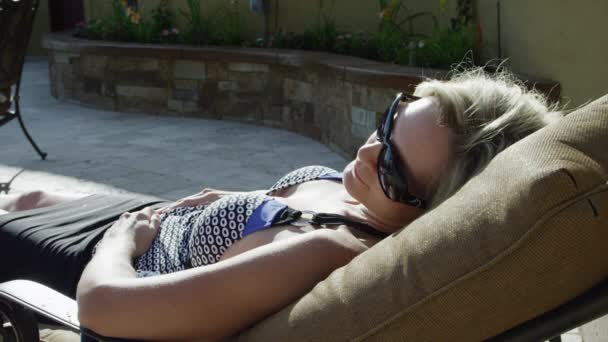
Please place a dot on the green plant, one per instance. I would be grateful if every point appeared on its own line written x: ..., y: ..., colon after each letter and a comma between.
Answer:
x: 396, y: 31
x: 447, y: 47
x: 396, y: 40
x: 453, y: 44
x: 464, y: 15
x: 198, y: 30
x: 124, y: 23
x: 358, y: 44
x: 323, y: 35
x: 228, y: 26
x: 163, y: 20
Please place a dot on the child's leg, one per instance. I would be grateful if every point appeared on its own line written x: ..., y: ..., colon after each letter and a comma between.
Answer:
x: 34, y: 199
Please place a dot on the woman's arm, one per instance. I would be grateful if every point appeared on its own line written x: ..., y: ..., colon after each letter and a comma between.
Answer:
x: 214, y: 301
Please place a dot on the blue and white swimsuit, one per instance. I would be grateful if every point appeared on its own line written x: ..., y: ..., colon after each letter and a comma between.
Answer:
x: 196, y: 236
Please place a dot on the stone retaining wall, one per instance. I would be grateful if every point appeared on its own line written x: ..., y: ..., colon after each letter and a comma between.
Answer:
x: 337, y: 100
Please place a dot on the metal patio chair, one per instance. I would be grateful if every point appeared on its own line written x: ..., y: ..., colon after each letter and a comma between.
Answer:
x: 16, y: 22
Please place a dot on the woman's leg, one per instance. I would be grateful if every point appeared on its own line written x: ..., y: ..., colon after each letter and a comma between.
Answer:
x: 34, y: 200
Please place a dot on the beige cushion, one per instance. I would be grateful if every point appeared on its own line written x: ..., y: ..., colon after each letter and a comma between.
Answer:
x: 526, y: 235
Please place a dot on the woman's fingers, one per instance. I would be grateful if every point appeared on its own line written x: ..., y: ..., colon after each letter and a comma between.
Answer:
x: 155, y: 221
x: 206, y: 190
x: 206, y: 196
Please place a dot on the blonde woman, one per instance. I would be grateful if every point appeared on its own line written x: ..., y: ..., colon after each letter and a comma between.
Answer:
x: 216, y: 262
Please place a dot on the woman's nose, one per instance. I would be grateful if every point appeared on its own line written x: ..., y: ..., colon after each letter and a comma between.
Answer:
x: 369, y: 151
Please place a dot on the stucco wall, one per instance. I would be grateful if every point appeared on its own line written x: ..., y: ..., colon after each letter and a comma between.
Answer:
x: 565, y: 40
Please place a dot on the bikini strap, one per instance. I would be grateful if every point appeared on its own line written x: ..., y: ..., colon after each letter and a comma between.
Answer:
x: 325, y: 218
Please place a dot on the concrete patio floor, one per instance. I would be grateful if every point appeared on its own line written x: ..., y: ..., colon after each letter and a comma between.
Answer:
x: 94, y: 151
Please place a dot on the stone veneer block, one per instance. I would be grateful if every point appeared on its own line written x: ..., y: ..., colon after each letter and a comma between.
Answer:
x: 185, y: 94
x: 297, y: 90
x: 359, y: 95
x: 302, y: 112
x: 216, y: 71
x: 363, y: 122
x: 185, y: 84
x: 137, y: 91
x: 248, y: 67
x: 379, y: 99
x: 228, y: 86
x: 363, y: 117
x: 359, y: 131
x: 94, y: 66
x: 208, y: 94
x: 175, y: 105
x: 190, y: 106
x: 93, y: 85
x: 132, y: 64
x: 257, y: 85
x: 64, y: 57
x: 191, y: 70
x: 103, y: 102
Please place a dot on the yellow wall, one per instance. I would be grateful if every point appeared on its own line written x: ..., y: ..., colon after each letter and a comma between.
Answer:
x: 564, y: 40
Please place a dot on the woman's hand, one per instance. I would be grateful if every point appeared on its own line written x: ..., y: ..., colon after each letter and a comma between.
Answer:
x: 138, y: 229
x: 206, y: 196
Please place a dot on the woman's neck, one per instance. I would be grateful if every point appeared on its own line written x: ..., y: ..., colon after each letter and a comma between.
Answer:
x: 361, y: 213
x: 386, y: 223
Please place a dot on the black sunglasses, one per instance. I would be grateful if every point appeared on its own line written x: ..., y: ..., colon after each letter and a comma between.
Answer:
x: 390, y: 173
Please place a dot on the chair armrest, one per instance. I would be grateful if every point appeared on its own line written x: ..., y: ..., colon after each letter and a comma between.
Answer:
x: 43, y: 301
x: 49, y: 303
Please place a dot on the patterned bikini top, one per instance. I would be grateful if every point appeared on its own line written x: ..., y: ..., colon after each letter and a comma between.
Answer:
x: 197, y: 236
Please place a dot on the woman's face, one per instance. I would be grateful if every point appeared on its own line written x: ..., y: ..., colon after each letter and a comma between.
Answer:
x: 424, y: 148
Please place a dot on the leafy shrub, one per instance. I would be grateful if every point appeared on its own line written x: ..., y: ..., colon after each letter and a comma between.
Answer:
x: 228, y: 26
x: 124, y: 24
x: 396, y: 40
x: 197, y: 31
x: 447, y: 47
x: 163, y: 23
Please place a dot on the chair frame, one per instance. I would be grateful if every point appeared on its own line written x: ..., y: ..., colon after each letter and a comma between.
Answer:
x: 549, y: 326
x: 15, y: 81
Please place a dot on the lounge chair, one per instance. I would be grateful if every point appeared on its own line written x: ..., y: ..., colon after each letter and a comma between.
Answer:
x: 515, y: 247
x: 16, y: 22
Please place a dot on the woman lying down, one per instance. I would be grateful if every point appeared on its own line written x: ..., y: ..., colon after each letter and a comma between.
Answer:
x: 214, y: 263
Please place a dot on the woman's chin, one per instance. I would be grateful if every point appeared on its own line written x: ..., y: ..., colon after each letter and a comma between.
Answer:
x: 353, y: 184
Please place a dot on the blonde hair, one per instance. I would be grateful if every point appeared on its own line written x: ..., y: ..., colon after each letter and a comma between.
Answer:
x: 488, y: 113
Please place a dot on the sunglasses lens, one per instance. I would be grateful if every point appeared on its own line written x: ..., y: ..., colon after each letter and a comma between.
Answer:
x: 390, y: 178
x: 380, y: 131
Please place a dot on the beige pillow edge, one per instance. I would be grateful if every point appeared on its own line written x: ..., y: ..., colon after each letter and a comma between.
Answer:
x: 509, y: 251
